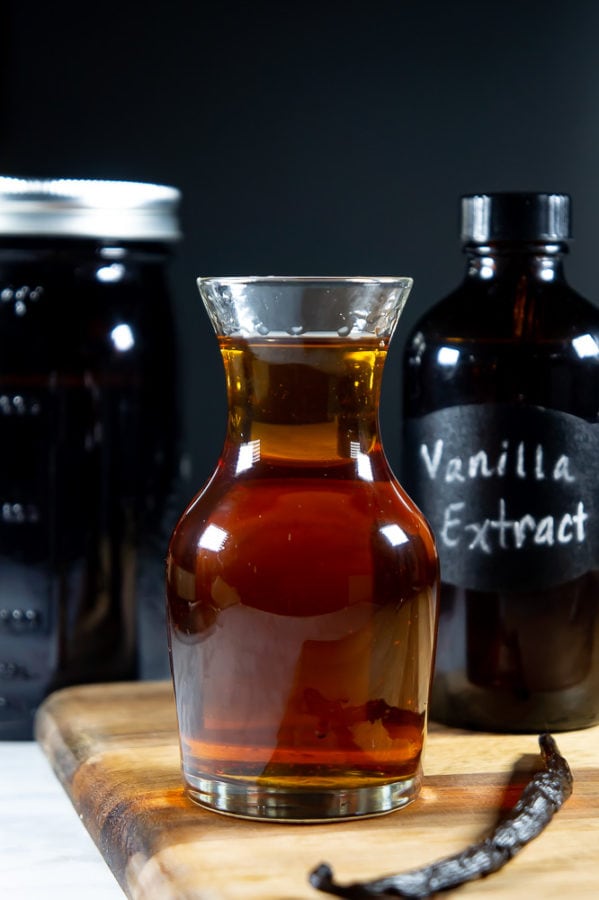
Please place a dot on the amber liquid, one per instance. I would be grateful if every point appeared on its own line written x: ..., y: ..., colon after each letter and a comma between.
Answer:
x: 301, y: 582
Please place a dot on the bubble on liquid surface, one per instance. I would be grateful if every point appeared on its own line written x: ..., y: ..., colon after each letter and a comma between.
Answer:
x: 344, y: 330
x: 261, y: 328
x: 296, y: 329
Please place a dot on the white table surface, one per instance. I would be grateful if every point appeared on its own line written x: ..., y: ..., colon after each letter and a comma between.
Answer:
x: 45, y: 851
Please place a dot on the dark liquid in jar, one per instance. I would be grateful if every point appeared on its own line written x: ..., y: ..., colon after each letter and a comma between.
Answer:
x: 301, y: 598
x: 87, y: 432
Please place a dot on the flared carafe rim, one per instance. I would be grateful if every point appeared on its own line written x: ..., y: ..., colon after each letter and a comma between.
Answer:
x: 259, y: 306
x: 383, y: 280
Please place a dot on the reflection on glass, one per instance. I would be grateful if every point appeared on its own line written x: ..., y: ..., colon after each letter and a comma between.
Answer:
x: 249, y: 455
x: 110, y: 274
x: 547, y: 272
x: 585, y: 345
x: 364, y: 464
x: 448, y: 356
x: 213, y: 538
x: 394, y: 534
x: 122, y: 337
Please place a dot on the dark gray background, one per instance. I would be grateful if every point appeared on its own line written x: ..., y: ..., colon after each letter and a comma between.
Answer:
x: 309, y: 138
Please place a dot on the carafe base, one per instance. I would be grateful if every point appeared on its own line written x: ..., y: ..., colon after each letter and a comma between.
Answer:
x: 293, y: 804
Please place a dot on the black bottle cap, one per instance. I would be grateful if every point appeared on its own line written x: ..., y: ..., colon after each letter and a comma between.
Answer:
x: 515, y: 217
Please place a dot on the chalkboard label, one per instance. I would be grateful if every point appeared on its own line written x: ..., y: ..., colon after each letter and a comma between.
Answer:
x: 512, y: 494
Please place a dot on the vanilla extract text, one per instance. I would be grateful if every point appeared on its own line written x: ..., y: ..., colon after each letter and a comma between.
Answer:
x: 509, y: 461
x: 511, y: 533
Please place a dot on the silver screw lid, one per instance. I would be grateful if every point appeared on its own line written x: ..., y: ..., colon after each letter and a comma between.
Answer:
x: 86, y: 208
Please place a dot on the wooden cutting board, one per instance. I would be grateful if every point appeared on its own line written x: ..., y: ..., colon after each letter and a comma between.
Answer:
x: 114, y: 748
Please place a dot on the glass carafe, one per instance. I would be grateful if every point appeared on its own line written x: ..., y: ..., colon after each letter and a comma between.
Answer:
x: 302, y: 581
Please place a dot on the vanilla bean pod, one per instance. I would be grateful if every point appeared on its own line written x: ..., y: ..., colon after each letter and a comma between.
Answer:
x: 540, y: 799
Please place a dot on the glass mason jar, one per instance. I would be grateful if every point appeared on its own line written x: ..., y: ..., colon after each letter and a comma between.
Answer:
x: 302, y: 581
x: 87, y: 427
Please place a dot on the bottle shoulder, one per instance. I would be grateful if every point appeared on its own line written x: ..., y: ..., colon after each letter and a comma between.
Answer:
x: 496, y: 311
x: 543, y: 352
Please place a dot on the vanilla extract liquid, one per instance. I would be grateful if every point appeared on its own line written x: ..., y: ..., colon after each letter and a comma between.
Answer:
x: 301, y: 583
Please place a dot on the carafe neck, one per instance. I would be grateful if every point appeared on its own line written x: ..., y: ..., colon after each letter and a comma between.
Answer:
x: 299, y: 402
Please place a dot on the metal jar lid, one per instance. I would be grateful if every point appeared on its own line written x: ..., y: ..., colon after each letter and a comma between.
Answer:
x: 84, y: 208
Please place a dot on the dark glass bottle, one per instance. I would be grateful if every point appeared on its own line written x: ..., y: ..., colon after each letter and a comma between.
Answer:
x: 501, y: 447
x: 87, y: 428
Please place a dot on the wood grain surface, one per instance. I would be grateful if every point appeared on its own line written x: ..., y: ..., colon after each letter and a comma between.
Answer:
x: 115, y: 750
